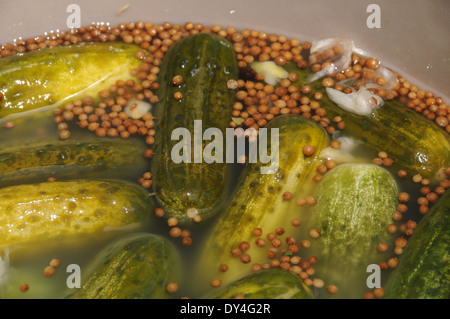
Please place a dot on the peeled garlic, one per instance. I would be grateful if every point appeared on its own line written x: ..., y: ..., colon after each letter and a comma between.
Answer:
x: 337, y: 51
x: 273, y: 73
x: 362, y: 102
x: 137, y: 108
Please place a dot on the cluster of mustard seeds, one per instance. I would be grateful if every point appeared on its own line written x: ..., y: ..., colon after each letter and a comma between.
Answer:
x: 282, y: 252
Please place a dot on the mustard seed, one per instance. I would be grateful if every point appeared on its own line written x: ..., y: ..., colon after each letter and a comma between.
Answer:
x: 332, y: 289
x: 295, y: 222
x: 287, y: 196
x: 49, y: 271
x: 55, y: 263
x: 403, y: 197
x: 382, y: 247
x: 175, y: 232
x: 172, y: 287
x: 24, y: 287
x: 308, y: 150
x: 245, y: 258
x: 314, y: 233
x: 172, y: 222
x: 159, y: 212
x: 186, y: 241
x: 257, y: 232
x: 223, y: 267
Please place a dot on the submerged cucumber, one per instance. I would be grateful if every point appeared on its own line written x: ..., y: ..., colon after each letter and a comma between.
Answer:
x: 423, y: 271
x: 206, y: 62
x: 415, y: 143
x: 258, y: 199
x: 58, y: 210
x: 266, y: 284
x: 137, y: 266
x: 355, y: 203
x: 67, y: 159
x: 47, y: 76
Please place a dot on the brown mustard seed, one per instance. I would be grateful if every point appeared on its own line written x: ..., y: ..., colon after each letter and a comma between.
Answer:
x: 244, y: 246
x: 287, y: 196
x: 216, y: 283
x: 175, y: 232
x: 49, y: 271
x: 295, y: 222
x: 172, y: 287
x: 382, y: 247
x: 177, y: 80
x: 24, y: 287
x: 332, y: 289
x: 310, y: 200
x: 8, y: 125
x: 393, y: 262
x: 314, y: 233
x: 186, y: 241
x: 403, y: 197
x: 308, y: 150
x: 172, y: 222
x: 55, y: 263
x: 178, y: 96
x: 159, y: 212
x: 402, y: 173
x: 245, y: 258
x: 378, y: 292
x: 223, y: 267
x: 257, y: 232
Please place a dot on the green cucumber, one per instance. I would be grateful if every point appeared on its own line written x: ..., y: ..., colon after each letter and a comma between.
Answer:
x: 44, y: 77
x: 355, y: 203
x: 266, y: 284
x: 423, y: 271
x: 52, y: 211
x: 415, y: 143
x: 39, y: 161
x: 137, y: 266
x: 206, y: 62
x: 258, y: 198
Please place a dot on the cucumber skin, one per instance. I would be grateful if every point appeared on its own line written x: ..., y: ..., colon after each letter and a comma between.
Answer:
x: 355, y: 203
x: 266, y: 284
x: 44, y: 77
x: 35, y: 162
x: 423, y: 271
x: 137, y: 266
x: 206, y: 62
x: 53, y: 211
x: 258, y: 201
x: 415, y: 143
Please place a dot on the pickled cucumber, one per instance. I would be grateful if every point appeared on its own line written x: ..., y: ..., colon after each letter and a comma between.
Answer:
x: 266, y: 284
x: 44, y: 77
x: 355, y: 203
x: 68, y: 159
x: 258, y: 198
x: 136, y: 266
x: 52, y: 211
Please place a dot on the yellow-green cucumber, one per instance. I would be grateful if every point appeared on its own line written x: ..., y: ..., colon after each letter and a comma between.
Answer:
x: 47, y: 76
x: 136, y: 266
x: 415, y: 143
x: 265, y: 284
x: 68, y: 159
x: 355, y: 203
x: 423, y: 271
x: 258, y: 198
x: 53, y: 211
x: 205, y: 63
